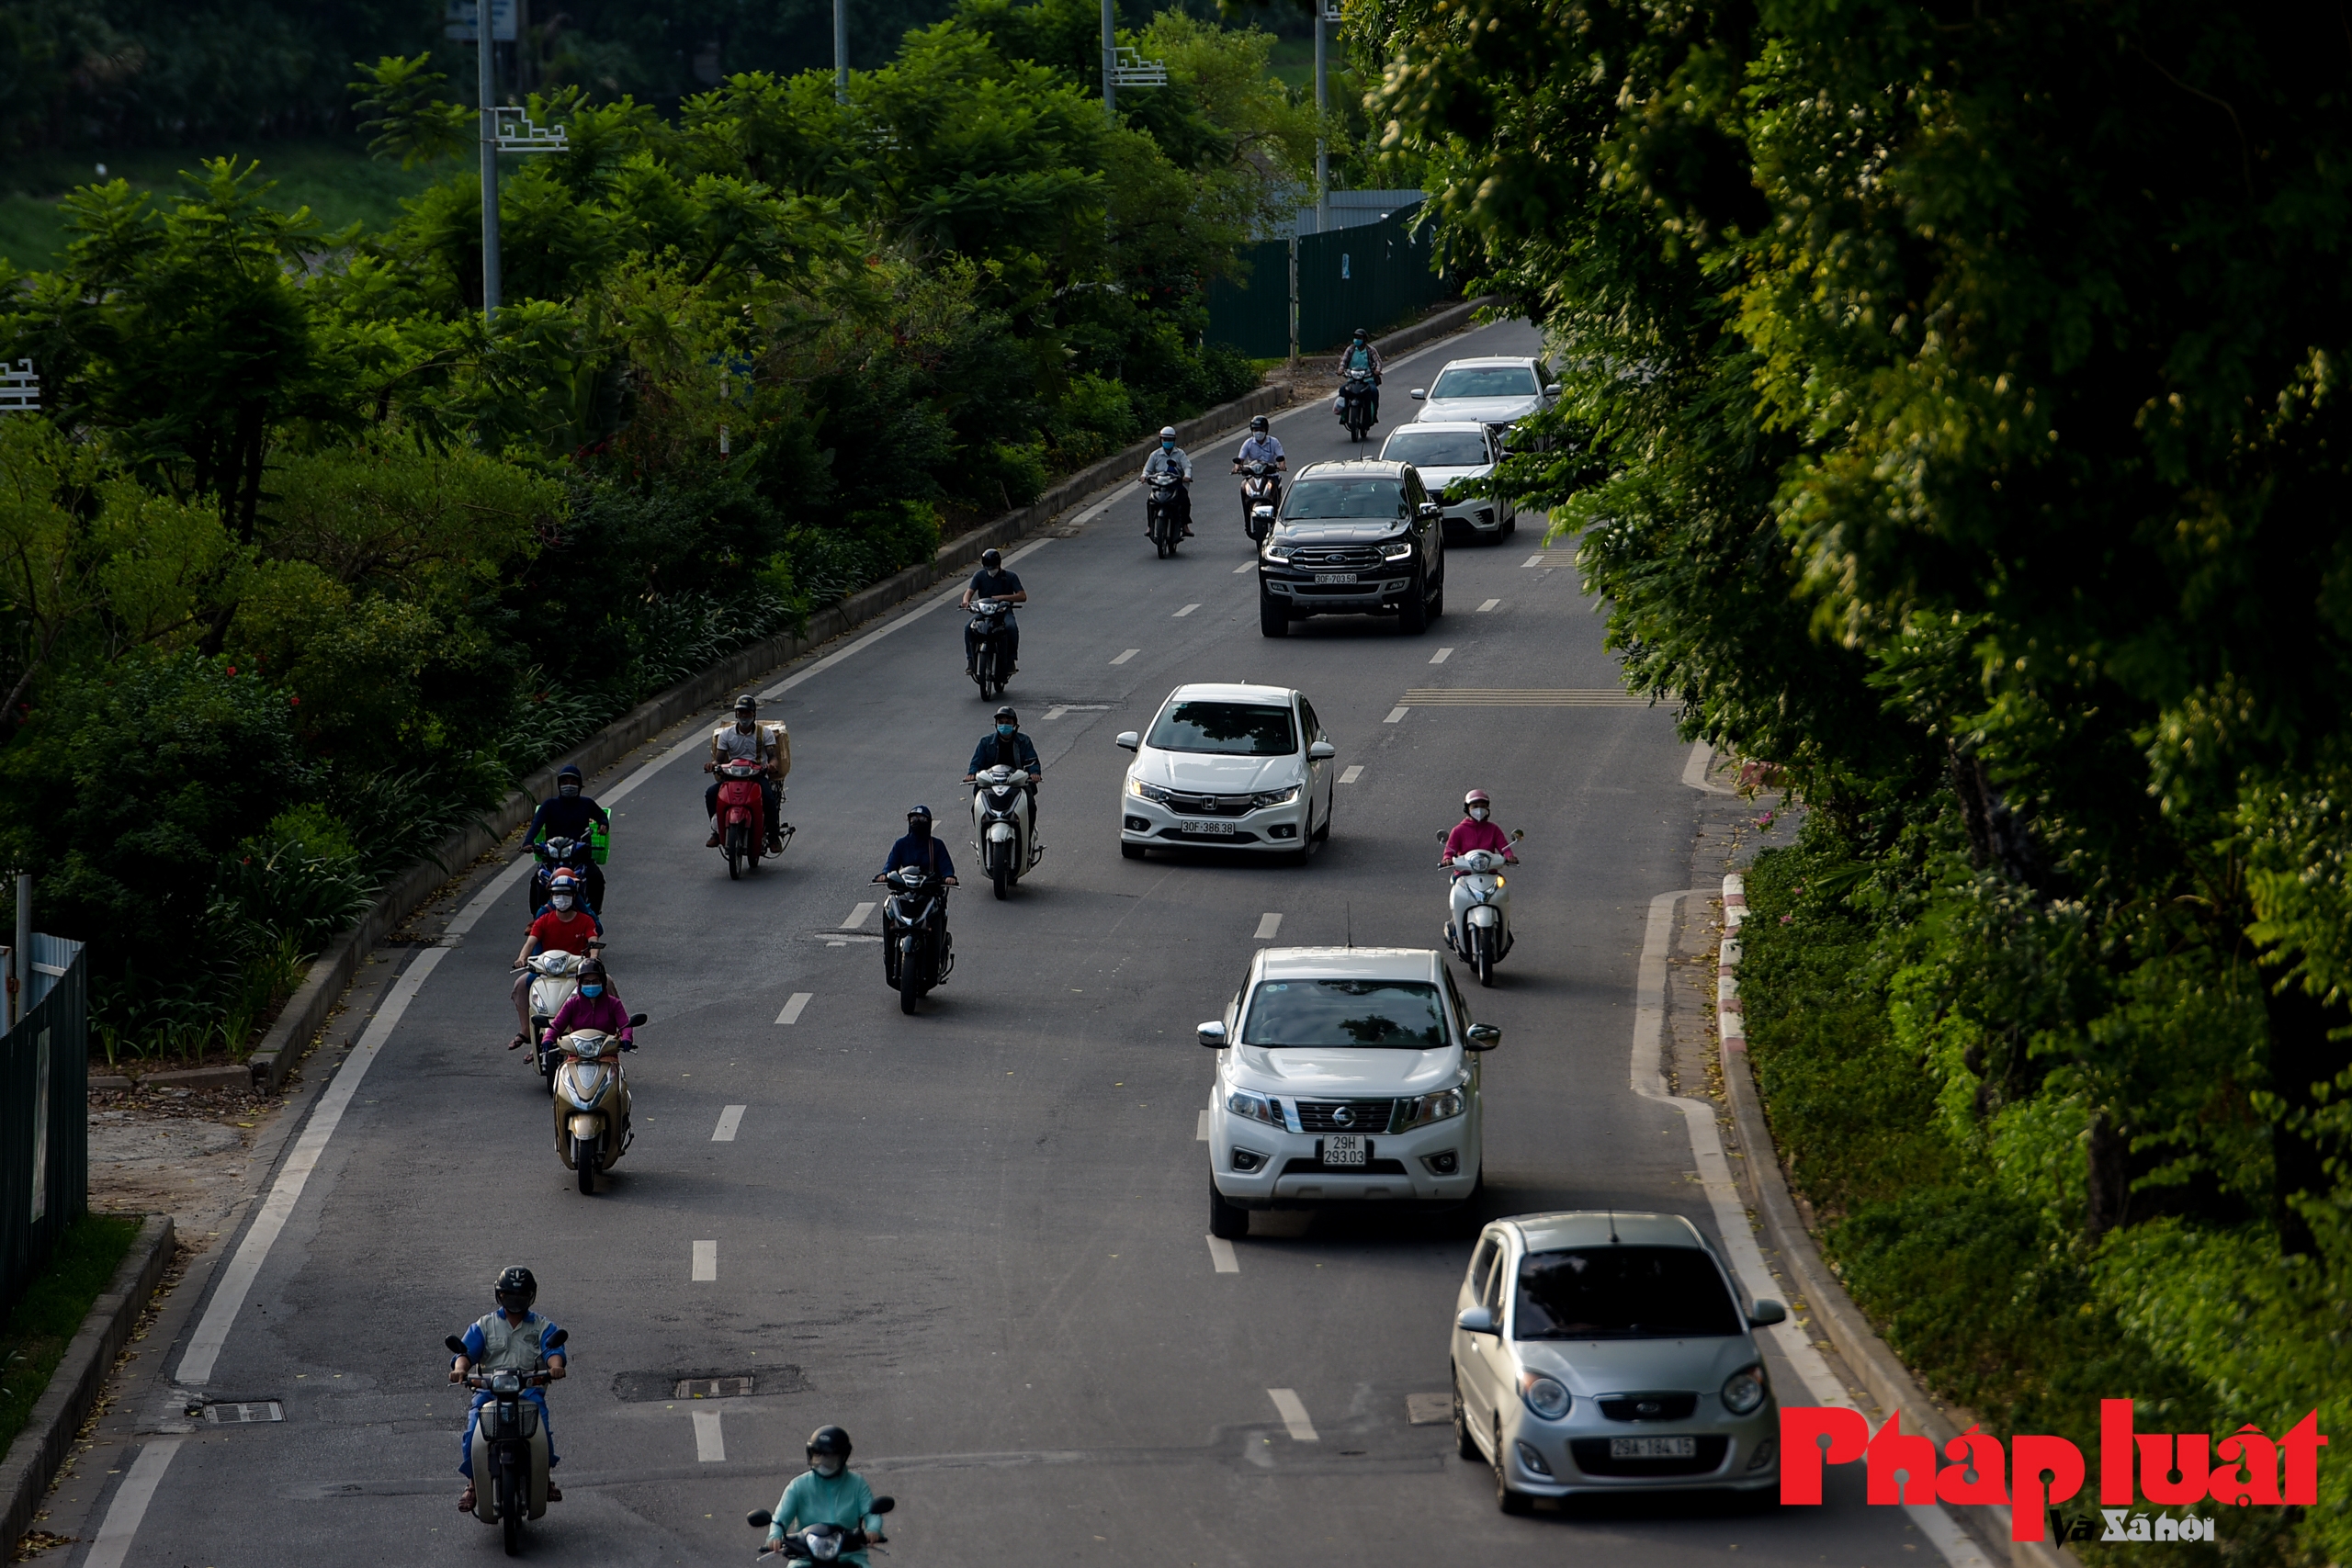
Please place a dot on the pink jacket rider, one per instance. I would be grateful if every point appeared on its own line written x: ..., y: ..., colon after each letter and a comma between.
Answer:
x: 1470, y: 835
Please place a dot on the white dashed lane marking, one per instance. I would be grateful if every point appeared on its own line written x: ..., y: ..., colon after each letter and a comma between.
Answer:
x: 857, y: 917
x: 1535, y: 559
x: 1221, y: 1256
x: 1395, y: 715
x: 1441, y: 656
x: 1488, y: 605
x: 791, y: 1013
x: 1245, y: 566
x: 710, y: 1441
x: 729, y: 1119
x: 1184, y: 611
x: 1130, y: 653
x: 1268, y: 925
x: 1200, y: 1127
x: 1294, y: 1414
x: 1354, y: 772
x: 705, y: 1260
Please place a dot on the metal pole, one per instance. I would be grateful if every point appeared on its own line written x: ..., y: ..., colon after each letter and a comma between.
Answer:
x: 1322, y: 154
x: 1293, y: 304
x: 24, y: 997
x: 1110, y: 64
x: 841, y: 51
x: 490, y: 299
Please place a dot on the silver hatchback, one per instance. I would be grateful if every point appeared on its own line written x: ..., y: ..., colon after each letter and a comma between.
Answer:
x: 1608, y: 1352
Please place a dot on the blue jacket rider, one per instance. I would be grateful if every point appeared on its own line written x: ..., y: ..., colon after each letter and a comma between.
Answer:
x: 1006, y: 747
x: 513, y: 1339
x: 566, y: 815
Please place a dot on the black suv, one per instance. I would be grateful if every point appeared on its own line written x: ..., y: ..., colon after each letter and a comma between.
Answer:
x: 1361, y: 538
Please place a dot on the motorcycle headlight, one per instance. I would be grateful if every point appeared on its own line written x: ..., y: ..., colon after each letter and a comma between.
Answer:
x: 1745, y: 1390
x: 505, y: 1383
x: 1400, y: 549
x: 1256, y: 1107
x: 1136, y: 786
x: 1547, y: 1396
x: 1275, y: 796
x: 1428, y: 1108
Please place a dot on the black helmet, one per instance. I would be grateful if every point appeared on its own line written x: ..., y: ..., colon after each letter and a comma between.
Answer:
x: 919, y: 813
x: 515, y: 1290
x: 745, y: 703
x: 1360, y: 333
x: 990, y: 558
x: 1006, y: 716
x: 1258, y: 424
x: 593, y: 967
x: 828, y: 1442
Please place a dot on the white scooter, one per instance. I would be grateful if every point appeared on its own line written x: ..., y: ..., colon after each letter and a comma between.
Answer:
x: 1001, y: 829
x: 1477, y: 926
x: 555, y: 980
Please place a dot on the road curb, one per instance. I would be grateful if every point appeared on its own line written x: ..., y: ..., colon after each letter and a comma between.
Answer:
x: 330, y: 974
x: 1883, y: 1374
x: 73, y: 1392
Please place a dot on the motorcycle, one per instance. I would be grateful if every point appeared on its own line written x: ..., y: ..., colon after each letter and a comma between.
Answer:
x: 1261, y: 495
x: 1355, y: 403
x: 816, y: 1543
x: 1163, y: 517
x: 591, y: 1104
x: 575, y: 855
x: 555, y: 979
x: 991, y: 667
x: 1001, y: 826
x: 510, y: 1445
x: 743, y: 827
x: 1477, y: 925
x: 917, y: 952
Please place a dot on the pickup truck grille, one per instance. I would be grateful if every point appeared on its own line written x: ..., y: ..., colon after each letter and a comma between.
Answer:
x: 1327, y: 558
x: 1363, y: 1115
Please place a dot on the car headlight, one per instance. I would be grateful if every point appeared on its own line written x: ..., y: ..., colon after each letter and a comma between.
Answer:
x: 1275, y: 796
x: 1256, y: 1107
x: 1276, y: 552
x: 1136, y: 786
x: 1547, y: 1396
x: 1745, y: 1390
x: 1428, y: 1108
x: 1402, y: 549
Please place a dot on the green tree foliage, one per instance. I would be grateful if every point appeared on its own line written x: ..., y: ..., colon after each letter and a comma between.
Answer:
x: 1954, y: 417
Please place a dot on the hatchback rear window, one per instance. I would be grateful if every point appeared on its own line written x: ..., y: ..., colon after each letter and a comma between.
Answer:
x: 1344, y: 497
x: 1404, y: 1014
x: 1624, y: 1292
x: 1229, y: 730
x: 1486, y: 381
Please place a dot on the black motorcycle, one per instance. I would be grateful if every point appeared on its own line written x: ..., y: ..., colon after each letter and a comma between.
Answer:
x: 991, y: 658
x: 917, y: 952
x: 1355, y: 403
x: 816, y: 1543
x: 575, y: 855
x: 510, y: 1441
x: 1261, y: 498
x: 1163, y: 512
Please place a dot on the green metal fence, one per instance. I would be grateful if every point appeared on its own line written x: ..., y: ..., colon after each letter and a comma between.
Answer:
x: 44, y: 1115
x: 1254, y: 314
x: 1374, y: 276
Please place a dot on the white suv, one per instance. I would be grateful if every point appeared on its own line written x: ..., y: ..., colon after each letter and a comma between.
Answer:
x: 1343, y: 1075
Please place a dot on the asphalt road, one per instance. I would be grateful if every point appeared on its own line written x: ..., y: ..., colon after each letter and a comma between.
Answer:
x: 975, y: 1236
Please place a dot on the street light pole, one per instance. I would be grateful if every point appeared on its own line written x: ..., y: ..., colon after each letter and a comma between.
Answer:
x: 1110, y: 64
x: 489, y: 160
x: 1322, y: 155
x: 841, y: 51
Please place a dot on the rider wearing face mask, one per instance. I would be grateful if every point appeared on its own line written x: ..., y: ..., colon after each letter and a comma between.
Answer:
x: 1006, y: 747
x: 1171, y: 459
x: 1359, y: 355
x: 1476, y: 830
x: 829, y: 1492
x: 992, y: 581
x: 748, y: 738
x: 568, y: 814
x: 595, y: 1005
x: 564, y: 925
x: 920, y: 848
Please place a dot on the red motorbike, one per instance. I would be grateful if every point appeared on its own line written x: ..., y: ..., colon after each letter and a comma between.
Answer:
x: 742, y: 814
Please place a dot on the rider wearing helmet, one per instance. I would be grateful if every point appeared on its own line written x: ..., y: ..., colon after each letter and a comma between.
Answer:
x: 748, y: 738
x: 829, y: 1492
x: 992, y: 581
x: 566, y: 814
x: 1262, y: 447
x: 595, y: 1005
x: 1006, y: 747
x: 1359, y: 355
x: 920, y: 848
x: 1476, y: 830
x: 564, y: 924
x: 1169, y: 458
x: 513, y: 1339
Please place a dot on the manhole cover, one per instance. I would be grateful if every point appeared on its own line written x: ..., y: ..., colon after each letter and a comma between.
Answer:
x: 643, y: 1387
x: 239, y: 1414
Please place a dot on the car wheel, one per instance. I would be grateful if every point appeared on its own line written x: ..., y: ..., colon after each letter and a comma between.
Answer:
x: 1463, y: 1443
x: 1130, y: 852
x: 1227, y: 1222
x: 1323, y: 834
x: 1508, y: 1501
x: 1437, y: 601
x: 1273, y: 616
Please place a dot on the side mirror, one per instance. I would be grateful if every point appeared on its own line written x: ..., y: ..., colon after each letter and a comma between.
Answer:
x: 457, y: 1346
x: 1517, y: 834
x: 1427, y: 510
x: 759, y: 1518
x: 1127, y: 740
x: 1212, y: 1035
x: 1553, y: 391
x: 1420, y: 394
x: 555, y: 1340
x: 1442, y: 837
x: 1475, y: 1320
x: 637, y: 1021
x: 1766, y: 1313
x: 1322, y: 751
x: 881, y: 1504
x: 1483, y: 1036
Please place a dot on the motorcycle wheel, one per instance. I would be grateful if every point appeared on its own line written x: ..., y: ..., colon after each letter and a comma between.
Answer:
x: 997, y: 874
x: 584, y: 1164
x: 734, y: 847
x: 909, y: 992
x: 1486, y: 959
x: 987, y: 669
x: 509, y: 1514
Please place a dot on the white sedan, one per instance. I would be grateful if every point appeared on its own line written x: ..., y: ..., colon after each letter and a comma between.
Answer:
x: 1230, y: 768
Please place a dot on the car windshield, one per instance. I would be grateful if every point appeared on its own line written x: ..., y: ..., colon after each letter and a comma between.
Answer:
x: 1378, y: 498
x: 1437, y: 449
x: 1228, y: 729
x: 1486, y: 381
x: 1623, y: 1292
x: 1404, y: 1014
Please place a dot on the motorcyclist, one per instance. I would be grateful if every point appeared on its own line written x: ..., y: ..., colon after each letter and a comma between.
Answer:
x: 829, y: 1492
x: 1006, y: 746
x: 1172, y: 458
x: 595, y: 1005
x: 566, y: 814
x: 1359, y: 355
x: 513, y: 1338
x: 992, y: 581
x: 1476, y: 830
x: 565, y: 925
x: 920, y: 848
x: 748, y: 738
x: 1262, y: 447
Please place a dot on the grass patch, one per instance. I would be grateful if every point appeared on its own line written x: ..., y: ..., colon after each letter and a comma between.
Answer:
x: 335, y: 178
x: 34, y: 1338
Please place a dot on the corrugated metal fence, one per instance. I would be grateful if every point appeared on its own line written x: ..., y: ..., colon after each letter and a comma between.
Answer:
x: 44, y: 1115
x: 1373, y: 276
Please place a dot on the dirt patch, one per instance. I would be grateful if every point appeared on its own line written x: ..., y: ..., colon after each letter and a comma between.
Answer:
x: 174, y: 1151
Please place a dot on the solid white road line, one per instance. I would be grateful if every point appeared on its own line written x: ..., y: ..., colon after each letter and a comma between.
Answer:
x: 1200, y: 1127
x: 1694, y: 768
x: 710, y: 1440
x: 1730, y: 1208
x: 791, y: 1013
x: 1441, y: 656
x: 1535, y: 559
x: 1268, y: 925
x: 857, y: 915
x: 1394, y: 715
x: 952, y: 592
x: 1127, y: 655
x: 112, y: 1546
x: 1292, y: 1413
x: 1245, y: 566
x: 1221, y: 1256
x: 705, y: 1260
x: 1488, y: 605
x: 1356, y: 772
x: 1184, y: 611
x: 729, y: 1119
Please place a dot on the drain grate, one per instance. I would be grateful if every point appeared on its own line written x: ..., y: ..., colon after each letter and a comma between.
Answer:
x: 242, y: 1413
x: 642, y: 1387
